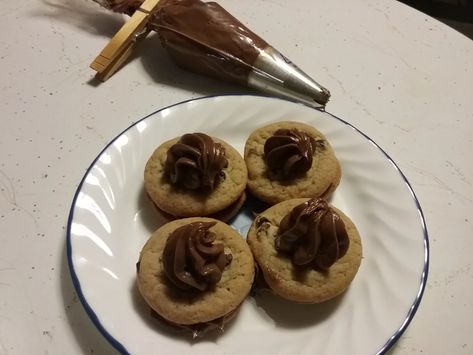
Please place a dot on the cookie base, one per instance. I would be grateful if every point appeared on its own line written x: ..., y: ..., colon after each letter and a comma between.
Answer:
x: 224, y: 215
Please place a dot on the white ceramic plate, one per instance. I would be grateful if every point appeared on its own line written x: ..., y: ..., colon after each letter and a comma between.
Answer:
x: 111, y: 218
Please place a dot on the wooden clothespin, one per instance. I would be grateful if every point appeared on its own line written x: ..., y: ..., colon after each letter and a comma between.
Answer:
x: 120, y: 47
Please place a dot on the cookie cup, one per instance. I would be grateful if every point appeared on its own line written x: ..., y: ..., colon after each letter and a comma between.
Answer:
x: 180, y: 202
x: 302, y: 285
x: 321, y: 180
x: 189, y: 308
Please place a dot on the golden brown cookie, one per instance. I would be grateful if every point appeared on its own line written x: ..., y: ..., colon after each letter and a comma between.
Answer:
x: 317, y: 172
x: 180, y: 201
x: 171, y: 288
x: 311, y: 282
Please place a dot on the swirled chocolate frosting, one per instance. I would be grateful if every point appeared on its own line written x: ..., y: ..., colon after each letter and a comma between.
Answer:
x: 196, y: 162
x: 192, y: 259
x: 313, y: 235
x: 289, y: 152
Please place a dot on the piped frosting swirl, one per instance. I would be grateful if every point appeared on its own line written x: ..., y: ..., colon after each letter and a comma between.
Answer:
x: 192, y: 259
x: 288, y: 153
x: 196, y: 162
x: 313, y: 235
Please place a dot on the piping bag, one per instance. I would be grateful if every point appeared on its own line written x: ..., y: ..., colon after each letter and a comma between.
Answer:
x: 204, y: 38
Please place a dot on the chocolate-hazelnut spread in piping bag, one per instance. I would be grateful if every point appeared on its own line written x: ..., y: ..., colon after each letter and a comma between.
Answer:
x: 203, y: 37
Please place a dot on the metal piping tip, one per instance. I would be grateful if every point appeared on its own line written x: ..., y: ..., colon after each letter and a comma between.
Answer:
x: 275, y: 74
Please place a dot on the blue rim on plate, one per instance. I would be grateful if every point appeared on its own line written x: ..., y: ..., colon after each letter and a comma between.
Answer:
x: 121, y: 348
